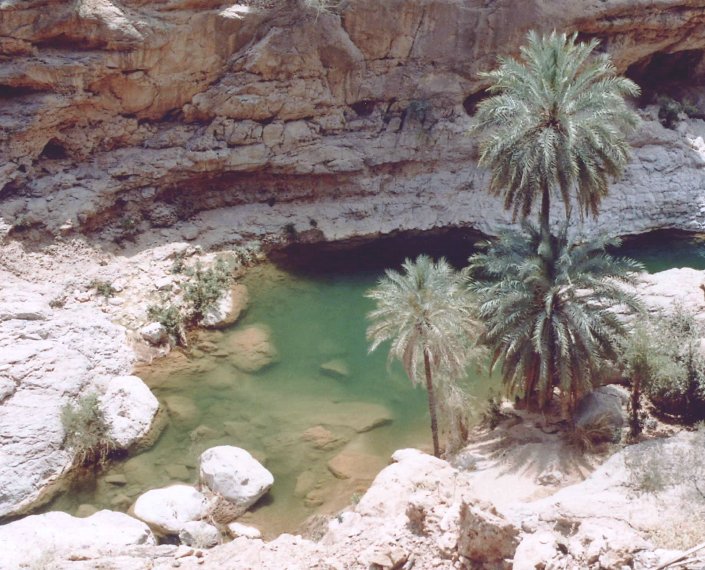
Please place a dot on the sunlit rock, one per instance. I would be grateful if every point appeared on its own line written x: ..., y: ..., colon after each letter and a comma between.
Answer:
x: 130, y: 409
x: 33, y: 541
x: 199, y: 534
x: 228, y: 308
x: 166, y: 510
x: 235, y: 475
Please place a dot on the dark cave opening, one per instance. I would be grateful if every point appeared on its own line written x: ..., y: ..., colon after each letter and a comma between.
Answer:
x: 471, y: 102
x: 679, y: 75
x: 54, y: 150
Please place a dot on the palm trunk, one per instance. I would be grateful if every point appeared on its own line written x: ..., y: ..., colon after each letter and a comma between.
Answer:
x: 545, y: 224
x: 431, y: 403
x: 634, y: 424
x: 546, y: 254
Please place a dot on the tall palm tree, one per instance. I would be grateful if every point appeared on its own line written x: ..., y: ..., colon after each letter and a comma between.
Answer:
x: 426, y: 312
x: 551, y: 325
x: 556, y: 123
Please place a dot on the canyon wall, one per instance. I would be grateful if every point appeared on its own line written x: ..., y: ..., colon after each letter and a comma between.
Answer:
x: 221, y: 122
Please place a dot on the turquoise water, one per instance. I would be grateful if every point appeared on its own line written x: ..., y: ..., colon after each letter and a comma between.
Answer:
x: 313, y: 318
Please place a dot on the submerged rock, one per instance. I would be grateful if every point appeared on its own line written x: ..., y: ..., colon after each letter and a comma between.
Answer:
x: 33, y: 541
x: 360, y: 416
x: 235, y: 475
x: 252, y: 348
x: 323, y: 438
x: 167, y: 510
x: 352, y: 464
x: 182, y: 409
x: 336, y: 368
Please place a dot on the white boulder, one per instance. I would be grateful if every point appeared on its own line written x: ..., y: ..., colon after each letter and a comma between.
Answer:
x: 130, y: 408
x: 28, y: 542
x: 228, y: 308
x: 154, y: 333
x: 167, y: 510
x: 237, y: 530
x: 235, y: 475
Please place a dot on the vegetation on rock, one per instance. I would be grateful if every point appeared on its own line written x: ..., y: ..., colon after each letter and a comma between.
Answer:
x: 664, y: 359
x: 204, y: 287
x: 87, y: 433
x: 202, y: 290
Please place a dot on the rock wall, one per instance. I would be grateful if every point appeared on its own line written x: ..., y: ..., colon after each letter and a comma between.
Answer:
x: 201, y: 119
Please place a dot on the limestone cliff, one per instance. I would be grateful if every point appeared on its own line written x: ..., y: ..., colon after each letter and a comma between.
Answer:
x: 223, y: 122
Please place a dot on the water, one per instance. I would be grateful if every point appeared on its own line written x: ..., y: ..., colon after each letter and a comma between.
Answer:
x: 314, y: 317
x: 315, y: 311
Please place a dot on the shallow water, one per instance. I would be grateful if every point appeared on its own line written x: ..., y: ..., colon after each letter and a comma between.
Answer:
x: 313, y: 320
x: 314, y: 317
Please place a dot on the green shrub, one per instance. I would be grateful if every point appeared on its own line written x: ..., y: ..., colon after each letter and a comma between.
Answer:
x: 103, y: 288
x: 87, y: 433
x: 170, y: 317
x: 204, y: 287
x: 681, y: 391
x: 670, y: 109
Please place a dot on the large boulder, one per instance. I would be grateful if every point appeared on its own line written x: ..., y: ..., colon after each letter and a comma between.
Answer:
x: 485, y: 535
x: 235, y: 475
x: 600, y: 414
x: 130, y: 408
x: 252, y: 348
x: 30, y: 542
x: 167, y: 510
x: 48, y: 358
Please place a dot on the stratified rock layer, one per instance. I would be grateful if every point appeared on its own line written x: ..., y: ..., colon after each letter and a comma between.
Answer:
x: 222, y: 123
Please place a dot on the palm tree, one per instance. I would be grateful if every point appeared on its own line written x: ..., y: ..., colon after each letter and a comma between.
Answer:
x: 556, y: 122
x: 426, y: 312
x: 551, y: 325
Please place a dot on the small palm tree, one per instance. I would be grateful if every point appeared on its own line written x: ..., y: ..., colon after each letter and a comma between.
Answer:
x: 551, y: 325
x: 556, y: 122
x: 426, y: 312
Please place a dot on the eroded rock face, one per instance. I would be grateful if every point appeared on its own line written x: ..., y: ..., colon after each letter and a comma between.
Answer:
x: 48, y: 358
x: 271, y: 120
